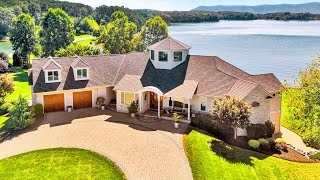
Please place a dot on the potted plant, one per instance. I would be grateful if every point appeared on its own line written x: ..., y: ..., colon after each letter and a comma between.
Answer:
x: 132, y: 109
x: 176, y: 118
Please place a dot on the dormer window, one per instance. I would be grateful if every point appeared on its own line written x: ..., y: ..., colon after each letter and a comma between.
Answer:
x: 82, y: 74
x: 53, y: 76
x: 163, y: 56
x: 177, y: 56
x: 152, y: 54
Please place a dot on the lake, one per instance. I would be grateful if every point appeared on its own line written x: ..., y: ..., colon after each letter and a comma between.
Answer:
x: 279, y: 47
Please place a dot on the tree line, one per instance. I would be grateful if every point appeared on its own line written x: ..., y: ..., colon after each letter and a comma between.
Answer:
x: 55, y: 34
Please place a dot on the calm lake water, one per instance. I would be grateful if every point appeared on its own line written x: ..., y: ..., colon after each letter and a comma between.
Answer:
x: 282, y: 48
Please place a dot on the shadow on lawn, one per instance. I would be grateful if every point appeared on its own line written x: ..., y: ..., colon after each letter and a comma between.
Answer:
x: 234, y: 154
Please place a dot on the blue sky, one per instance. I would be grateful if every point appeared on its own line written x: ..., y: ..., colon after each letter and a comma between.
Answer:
x: 182, y: 4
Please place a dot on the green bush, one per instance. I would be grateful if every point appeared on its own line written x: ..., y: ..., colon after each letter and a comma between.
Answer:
x: 271, y: 141
x: 257, y: 131
x: 263, y: 141
x: 37, y: 110
x: 280, y: 140
x: 312, y: 138
x: 264, y: 144
x: 206, y: 122
x: 254, y: 144
x: 315, y: 156
x: 5, y: 108
x: 19, y: 115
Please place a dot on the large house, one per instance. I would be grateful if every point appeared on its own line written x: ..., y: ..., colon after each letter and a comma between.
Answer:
x: 163, y: 80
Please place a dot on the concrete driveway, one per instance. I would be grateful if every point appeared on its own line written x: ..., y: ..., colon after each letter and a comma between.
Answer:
x: 135, y: 146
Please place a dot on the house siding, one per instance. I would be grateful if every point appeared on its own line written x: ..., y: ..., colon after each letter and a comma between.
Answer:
x: 37, y: 98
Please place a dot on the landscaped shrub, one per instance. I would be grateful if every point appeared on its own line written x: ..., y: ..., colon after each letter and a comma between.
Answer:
x: 4, y: 108
x: 37, y: 110
x: 271, y: 142
x: 257, y: 131
x: 205, y: 122
x: 19, y: 115
x: 264, y: 144
x: 270, y: 128
x: 280, y: 140
x: 312, y: 138
x: 281, y: 147
x: 254, y: 144
x: 315, y: 156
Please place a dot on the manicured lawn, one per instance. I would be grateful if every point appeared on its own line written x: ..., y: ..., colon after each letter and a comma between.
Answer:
x: 225, y: 162
x: 60, y: 163
x: 21, y: 85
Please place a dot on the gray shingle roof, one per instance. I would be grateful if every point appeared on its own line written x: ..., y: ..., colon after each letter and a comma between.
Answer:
x: 204, y: 75
x: 169, y: 44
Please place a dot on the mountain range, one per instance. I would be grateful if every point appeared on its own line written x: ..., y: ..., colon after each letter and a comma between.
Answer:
x: 313, y: 8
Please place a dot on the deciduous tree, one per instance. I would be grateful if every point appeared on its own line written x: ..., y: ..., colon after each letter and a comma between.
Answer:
x: 57, y: 31
x: 153, y: 31
x: 6, y: 87
x: 77, y: 49
x: 87, y: 26
x: 232, y: 112
x: 23, y: 35
x: 118, y: 35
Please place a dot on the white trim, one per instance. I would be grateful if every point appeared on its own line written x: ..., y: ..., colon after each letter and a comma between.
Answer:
x: 152, y: 89
x: 47, y: 76
x: 75, y: 72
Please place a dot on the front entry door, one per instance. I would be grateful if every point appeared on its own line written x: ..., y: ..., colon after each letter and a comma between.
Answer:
x: 154, y: 101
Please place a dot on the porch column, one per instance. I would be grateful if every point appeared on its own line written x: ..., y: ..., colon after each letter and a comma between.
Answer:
x: 158, y: 105
x: 140, y: 102
x: 189, y: 110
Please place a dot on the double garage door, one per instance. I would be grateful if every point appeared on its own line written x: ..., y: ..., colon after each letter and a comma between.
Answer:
x: 56, y: 102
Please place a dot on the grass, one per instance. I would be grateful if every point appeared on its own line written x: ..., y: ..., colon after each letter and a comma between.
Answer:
x: 59, y: 163
x: 83, y: 36
x: 3, y: 119
x: 222, y: 161
x: 21, y: 85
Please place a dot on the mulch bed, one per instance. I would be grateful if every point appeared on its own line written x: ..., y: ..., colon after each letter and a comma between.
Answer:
x: 294, y: 156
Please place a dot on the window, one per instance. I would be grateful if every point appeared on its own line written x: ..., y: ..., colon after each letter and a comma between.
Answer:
x: 203, y: 104
x: 53, y: 76
x: 170, y: 102
x: 177, y: 56
x: 152, y: 54
x: 255, y: 104
x: 82, y: 74
x: 163, y: 56
x: 122, y: 97
x: 127, y: 98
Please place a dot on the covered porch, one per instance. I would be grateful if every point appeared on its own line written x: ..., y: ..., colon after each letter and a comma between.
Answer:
x: 152, y: 101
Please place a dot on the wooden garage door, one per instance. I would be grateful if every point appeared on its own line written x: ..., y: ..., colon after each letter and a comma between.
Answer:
x: 53, y: 103
x: 82, y: 99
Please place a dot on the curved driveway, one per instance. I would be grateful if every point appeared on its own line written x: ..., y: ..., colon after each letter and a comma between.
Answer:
x: 140, y: 152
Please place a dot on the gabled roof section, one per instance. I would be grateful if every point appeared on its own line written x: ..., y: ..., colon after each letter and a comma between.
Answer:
x: 169, y: 44
x: 80, y: 63
x: 129, y: 83
x: 184, y: 91
x: 241, y: 89
x: 51, y: 64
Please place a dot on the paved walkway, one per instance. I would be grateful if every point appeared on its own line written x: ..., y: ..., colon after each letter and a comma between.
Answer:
x: 294, y: 139
x: 140, y: 151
